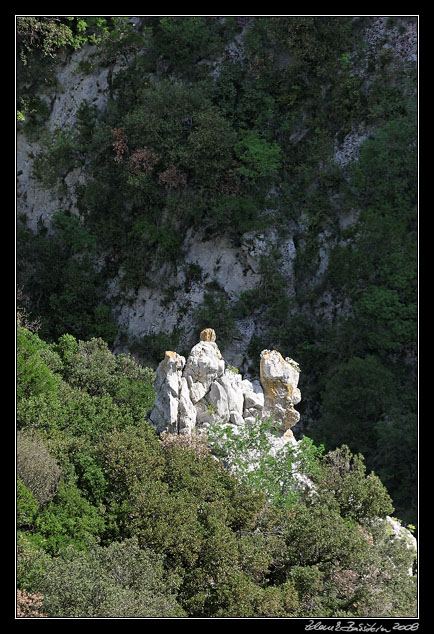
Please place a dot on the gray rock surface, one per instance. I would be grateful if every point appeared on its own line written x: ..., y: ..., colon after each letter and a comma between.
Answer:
x: 195, y: 393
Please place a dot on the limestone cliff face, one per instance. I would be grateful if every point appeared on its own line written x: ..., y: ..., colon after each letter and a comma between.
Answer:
x: 72, y: 88
x: 194, y: 393
x: 279, y: 379
x: 234, y: 268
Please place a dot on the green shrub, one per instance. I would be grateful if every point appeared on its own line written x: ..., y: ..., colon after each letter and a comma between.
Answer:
x: 183, y: 129
x: 31, y: 563
x: 260, y: 158
x: 118, y: 581
x: 183, y: 41
x: 68, y: 519
x: 75, y: 412
x: 34, y: 376
x: 182, y: 504
x: 209, y: 150
x: 360, y: 497
x: 27, y: 506
x: 92, y: 367
x: 128, y: 456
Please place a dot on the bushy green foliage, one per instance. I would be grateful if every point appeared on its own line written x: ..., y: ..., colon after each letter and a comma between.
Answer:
x: 27, y: 505
x: 33, y: 374
x: 241, y: 544
x: 183, y: 41
x: 119, y: 581
x: 182, y: 128
x: 31, y: 562
x: 180, y: 44
x: 259, y: 158
x: 47, y: 34
x: 376, y: 271
x: 74, y: 411
x: 99, y: 392
x: 67, y: 519
x: 359, y: 497
x: 90, y: 366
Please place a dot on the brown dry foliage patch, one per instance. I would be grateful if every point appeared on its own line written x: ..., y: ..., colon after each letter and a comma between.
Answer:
x: 29, y: 605
x: 143, y: 159
x: 120, y: 144
x: 195, y: 443
x: 172, y: 177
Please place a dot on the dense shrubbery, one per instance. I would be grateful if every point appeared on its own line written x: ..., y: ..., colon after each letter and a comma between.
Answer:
x: 114, y: 521
x: 195, y: 134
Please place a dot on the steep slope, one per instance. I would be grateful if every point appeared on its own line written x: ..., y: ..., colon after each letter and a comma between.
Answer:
x: 258, y: 175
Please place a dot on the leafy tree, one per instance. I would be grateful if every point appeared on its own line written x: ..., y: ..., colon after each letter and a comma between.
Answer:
x: 183, y: 41
x: 33, y: 374
x: 130, y: 455
x: 118, y: 581
x: 209, y: 149
x: 68, y: 519
x: 183, y: 129
x: 27, y: 505
x: 360, y: 497
x: 259, y: 157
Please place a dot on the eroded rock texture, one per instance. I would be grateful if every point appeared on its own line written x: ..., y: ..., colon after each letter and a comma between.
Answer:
x: 192, y: 394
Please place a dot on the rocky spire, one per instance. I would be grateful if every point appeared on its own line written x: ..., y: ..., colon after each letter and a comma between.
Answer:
x: 192, y: 394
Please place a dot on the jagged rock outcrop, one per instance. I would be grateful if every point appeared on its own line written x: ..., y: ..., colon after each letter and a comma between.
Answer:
x: 168, y: 384
x: 400, y: 532
x: 201, y: 391
x: 279, y: 379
